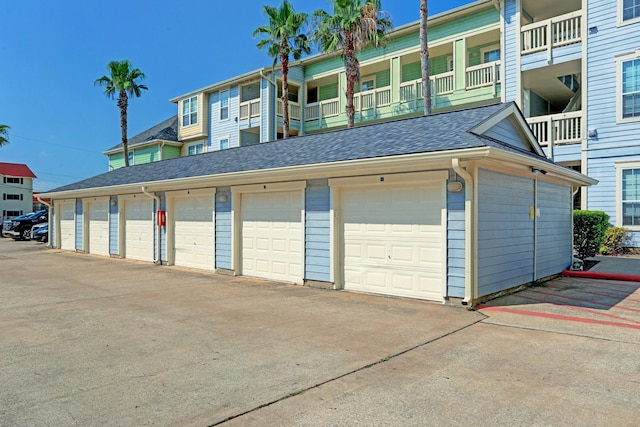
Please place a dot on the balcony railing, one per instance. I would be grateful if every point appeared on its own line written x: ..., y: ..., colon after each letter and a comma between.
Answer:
x: 564, y: 128
x: 294, y: 109
x: 482, y: 75
x: 322, y: 109
x: 441, y: 84
x: 372, y: 99
x: 250, y: 109
x: 554, y: 32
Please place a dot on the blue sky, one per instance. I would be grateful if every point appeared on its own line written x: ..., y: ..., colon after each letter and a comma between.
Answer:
x: 52, y: 51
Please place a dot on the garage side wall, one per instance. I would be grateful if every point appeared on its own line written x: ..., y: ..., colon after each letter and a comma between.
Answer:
x: 456, y: 244
x: 554, y: 236
x: 113, y: 225
x: 317, y: 231
x: 223, y: 227
x: 163, y: 230
x: 505, y: 231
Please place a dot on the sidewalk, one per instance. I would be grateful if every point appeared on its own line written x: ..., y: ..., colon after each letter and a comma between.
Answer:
x: 628, y: 264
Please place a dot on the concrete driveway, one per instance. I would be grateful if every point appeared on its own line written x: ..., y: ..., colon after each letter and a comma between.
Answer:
x: 91, y: 341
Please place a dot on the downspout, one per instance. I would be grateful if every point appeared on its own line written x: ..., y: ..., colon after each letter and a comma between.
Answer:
x: 157, y: 258
x: 470, y: 253
x: 49, y: 217
x: 535, y: 229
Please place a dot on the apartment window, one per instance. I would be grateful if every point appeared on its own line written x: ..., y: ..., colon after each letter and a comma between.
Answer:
x: 490, y: 55
x: 449, y: 63
x: 224, y: 105
x: 630, y: 10
x: 224, y: 143
x: 6, y: 196
x: 630, y: 82
x: 190, y: 111
x: 130, y: 157
x: 195, y: 149
x: 11, y: 180
x: 11, y: 213
x: 630, y: 197
x: 368, y: 84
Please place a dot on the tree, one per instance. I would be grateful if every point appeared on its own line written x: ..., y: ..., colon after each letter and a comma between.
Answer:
x: 124, y: 81
x: 4, y: 135
x: 354, y: 25
x: 424, y: 57
x: 283, y: 38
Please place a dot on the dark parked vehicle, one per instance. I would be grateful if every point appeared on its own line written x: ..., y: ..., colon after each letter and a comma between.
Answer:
x: 6, y: 224
x: 20, y: 228
x: 40, y: 233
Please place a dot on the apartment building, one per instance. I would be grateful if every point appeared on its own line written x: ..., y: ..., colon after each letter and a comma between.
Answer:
x: 16, y: 187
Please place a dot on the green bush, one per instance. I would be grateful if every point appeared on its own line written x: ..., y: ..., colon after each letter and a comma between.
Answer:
x: 615, y: 240
x: 589, y: 228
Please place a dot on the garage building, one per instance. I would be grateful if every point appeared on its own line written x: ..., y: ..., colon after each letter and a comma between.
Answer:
x: 452, y: 207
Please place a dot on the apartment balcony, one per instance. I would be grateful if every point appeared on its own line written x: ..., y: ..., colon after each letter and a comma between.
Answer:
x: 250, y: 109
x: 295, y: 110
x: 557, y: 129
x: 551, y: 41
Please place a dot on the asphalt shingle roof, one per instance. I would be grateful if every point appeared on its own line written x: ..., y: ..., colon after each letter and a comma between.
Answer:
x: 438, y: 132
x: 167, y: 130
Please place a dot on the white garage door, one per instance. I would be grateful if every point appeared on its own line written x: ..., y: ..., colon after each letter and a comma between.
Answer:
x: 66, y: 211
x: 272, y: 235
x: 393, y: 240
x: 98, y: 227
x: 138, y: 229
x: 194, y: 232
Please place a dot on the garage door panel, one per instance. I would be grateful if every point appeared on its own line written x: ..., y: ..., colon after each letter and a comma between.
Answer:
x: 272, y: 235
x: 393, y: 239
x: 139, y: 229
x: 67, y: 226
x: 99, y: 228
x: 194, y: 232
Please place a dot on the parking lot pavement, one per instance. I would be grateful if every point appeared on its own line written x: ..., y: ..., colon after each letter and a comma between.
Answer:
x: 86, y: 340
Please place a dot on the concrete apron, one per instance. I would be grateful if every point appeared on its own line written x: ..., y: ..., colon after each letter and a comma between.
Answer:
x: 88, y: 340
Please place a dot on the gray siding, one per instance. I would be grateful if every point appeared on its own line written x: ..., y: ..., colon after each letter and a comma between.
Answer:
x: 223, y: 228
x: 455, y: 244
x: 113, y: 226
x: 79, y: 225
x: 554, y: 236
x: 505, y: 231
x: 507, y: 132
x: 317, y: 231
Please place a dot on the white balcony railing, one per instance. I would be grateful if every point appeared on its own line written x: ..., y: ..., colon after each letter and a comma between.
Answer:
x: 564, y: 128
x: 482, y: 75
x: 250, y: 109
x: 372, y: 99
x: 294, y: 109
x: 322, y: 109
x: 554, y: 32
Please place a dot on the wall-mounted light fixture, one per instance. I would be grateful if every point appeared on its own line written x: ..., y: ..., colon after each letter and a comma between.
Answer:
x: 222, y: 198
x: 455, y: 186
x: 114, y: 202
x: 593, y: 133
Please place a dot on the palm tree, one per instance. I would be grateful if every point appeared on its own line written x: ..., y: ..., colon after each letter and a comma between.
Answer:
x: 283, y: 38
x: 424, y: 57
x: 354, y: 25
x: 4, y: 135
x: 125, y: 81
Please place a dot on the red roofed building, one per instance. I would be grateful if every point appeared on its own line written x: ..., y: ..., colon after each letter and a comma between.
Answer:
x: 16, y: 188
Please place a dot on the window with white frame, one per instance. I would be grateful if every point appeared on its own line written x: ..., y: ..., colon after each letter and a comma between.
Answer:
x: 195, y: 149
x: 629, y: 182
x: 12, y: 180
x: 223, y: 143
x: 190, y: 111
x: 629, y: 102
x: 224, y: 105
x: 131, y: 158
x: 491, y: 54
x: 629, y: 10
x: 368, y: 83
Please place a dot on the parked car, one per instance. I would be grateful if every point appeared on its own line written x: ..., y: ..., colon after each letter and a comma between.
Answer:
x: 40, y: 232
x: 6, y: 224
x: 20, y: 228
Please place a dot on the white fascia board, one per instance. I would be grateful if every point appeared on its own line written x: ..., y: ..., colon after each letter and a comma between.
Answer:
x: 225, y: 83
x: 142, y: 145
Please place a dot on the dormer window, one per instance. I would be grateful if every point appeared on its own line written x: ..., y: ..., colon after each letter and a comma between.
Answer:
x: 190, y: 111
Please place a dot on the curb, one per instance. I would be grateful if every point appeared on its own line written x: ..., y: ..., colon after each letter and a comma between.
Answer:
x: 604, y: 276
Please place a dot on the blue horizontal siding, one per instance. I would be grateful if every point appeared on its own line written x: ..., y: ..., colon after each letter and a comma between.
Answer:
x: 79, y: 225
x: 223, y: 234
x: 113, y: 225
x: 455, y: 244
x: 317, y: 231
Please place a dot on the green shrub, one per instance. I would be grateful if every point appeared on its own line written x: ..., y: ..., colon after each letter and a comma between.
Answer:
x: 589, y: 228
x: 615, y: 240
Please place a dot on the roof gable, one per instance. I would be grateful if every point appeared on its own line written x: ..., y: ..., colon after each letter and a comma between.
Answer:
x: 16, y: 170
x: 166, y: 130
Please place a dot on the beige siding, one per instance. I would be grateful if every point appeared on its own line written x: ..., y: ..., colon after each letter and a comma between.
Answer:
x: 199, y: 129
